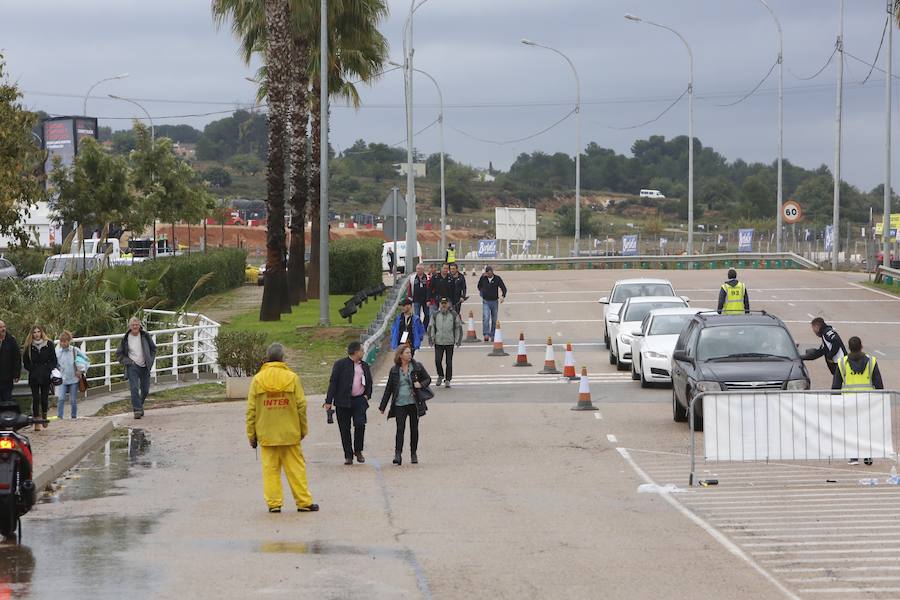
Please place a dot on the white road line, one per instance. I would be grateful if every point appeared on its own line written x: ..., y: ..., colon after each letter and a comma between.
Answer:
x: 843, y: 579
x: 806, y: 544
x: 506, y: 322
x: 868, y: 289
x: 597, y: 416
x: 709, y: 529
x: 806, y: 534
x: 810, y: 315
x: 825, y: 559
x: 612, y: 439
x: 860, y: 508
x: 848, y: 569
x: 858, y: 497
x: 875, y: 524
x: 852, y: 322
x: 849, y: 590
x: 791, y: 304
x: 831, y: 551
x: 880, y: 353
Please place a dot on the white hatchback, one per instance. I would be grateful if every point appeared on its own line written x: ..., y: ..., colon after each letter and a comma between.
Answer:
x: 632, y: 313
x: 653, y: 343
x: 623, y: 290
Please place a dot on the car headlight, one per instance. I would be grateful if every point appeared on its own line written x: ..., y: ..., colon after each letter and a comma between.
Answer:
x: 626, y: 339
x: 652, y: 354
x: 798, y: 384
x: 708, y: 386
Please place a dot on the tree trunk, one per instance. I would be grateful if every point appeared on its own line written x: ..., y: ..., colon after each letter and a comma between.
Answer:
x: 299, y: 172
x: 277, y: 59
x: 312, y: 290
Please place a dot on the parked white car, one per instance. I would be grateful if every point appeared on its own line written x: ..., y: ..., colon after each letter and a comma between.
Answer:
x: 629, y: 288
x: 59, y: 264
x: 632, y: 313
x: 653, y: 343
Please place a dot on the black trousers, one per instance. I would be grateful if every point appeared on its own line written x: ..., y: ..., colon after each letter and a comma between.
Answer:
x: 40, y: 399
x: 6, y: 390
x: 401, y: 413
x: 357, y: 414
x: 440, y: 352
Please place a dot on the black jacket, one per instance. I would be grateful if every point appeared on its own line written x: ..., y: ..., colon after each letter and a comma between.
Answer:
x: 857, y: 365
x: 490, y: 290
x: 341, y: 383
x: 441, y: 287
x: 832, y: 347
x: 393, y: 384
x: 39, y: 363
x: 418, y: 289
x: 457, y: 288
x: 10, y: 360
x: 148, y: 346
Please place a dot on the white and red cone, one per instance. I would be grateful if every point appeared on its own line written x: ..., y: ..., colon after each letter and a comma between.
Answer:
x: 498, y: 343
x: 569, y: 365
x: 584, y: 393
x: 522, y: 355
x: 549, y: 360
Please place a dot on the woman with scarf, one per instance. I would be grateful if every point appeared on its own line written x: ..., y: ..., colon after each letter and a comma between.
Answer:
x: 39, y: 360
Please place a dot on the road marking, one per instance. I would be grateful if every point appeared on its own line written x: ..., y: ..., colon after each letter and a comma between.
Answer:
x: 848, y: 590
x: 810, y: 315
x: 791, y: 304
x: 709, y: 529
x: 880, y: 353
x: 868, y: 289
x: 612, y: 439
x: 597, y: 416
x: 831, y: 551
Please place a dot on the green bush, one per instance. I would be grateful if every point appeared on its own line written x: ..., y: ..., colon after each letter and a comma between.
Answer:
x: 226, y: 265
x: 27, y: 260
x: 241, y: 353
x: 355, y: 264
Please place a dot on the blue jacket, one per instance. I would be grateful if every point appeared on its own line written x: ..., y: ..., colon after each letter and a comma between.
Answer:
x: 418, y: 332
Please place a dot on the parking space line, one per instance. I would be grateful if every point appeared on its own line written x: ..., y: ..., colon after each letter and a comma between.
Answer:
x: 868, y: 289
x: 848, y: 569
x: 830, y: 551
x: 611, y: 438
x: 807, y: 543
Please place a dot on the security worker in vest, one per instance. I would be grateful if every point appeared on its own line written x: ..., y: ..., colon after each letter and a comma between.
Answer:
x: 450, y: 255
x: 733, y: 297
x: 857, y: 372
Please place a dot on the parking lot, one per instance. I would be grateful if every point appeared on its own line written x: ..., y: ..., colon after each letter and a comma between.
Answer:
x: 808, y: 530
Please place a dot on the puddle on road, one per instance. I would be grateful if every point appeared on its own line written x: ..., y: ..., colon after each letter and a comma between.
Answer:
x: 84, y: 557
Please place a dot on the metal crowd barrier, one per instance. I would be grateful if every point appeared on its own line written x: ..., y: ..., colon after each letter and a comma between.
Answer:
x: 740, y: 260
x: 783, y: 426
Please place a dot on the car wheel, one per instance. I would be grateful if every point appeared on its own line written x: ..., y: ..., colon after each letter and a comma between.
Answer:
x: 621, y: 366
x: 612, y: 357
x: 606, y: 339
x: 644, y: 382
x: 678, y: 413
x: 634, y: 375
x: 697, y: 424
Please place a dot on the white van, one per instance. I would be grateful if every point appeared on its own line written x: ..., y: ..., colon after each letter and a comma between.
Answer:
x: 401, y: 254
x: 655, y: 194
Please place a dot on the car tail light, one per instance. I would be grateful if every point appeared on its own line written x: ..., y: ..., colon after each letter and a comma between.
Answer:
x: 7, y: 444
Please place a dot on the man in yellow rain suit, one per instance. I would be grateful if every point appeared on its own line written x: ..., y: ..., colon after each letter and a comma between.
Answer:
x: 276, y: 421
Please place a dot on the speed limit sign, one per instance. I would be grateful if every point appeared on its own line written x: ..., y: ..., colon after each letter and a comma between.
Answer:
x: 791, y: 211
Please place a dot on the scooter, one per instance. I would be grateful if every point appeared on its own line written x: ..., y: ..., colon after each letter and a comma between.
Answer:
x: 17, y: 491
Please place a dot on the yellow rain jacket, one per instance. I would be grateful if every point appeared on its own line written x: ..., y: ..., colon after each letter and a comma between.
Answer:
x: 276, y: 407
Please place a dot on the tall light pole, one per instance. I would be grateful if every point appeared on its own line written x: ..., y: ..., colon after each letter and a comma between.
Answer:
x: 838, y: 122
x: 577, y: 141
x: 886, y: 227
x: 149, y: 118
x: 690, y: 242
x: 91, y: 89
x: 780, y: 199
x: 323, y: 165
x: 441, y: 125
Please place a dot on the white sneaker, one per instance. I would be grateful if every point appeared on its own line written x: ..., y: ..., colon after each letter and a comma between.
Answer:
x: 447, y: 383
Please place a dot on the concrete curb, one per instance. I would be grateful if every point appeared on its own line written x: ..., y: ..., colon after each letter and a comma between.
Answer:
x: 52, y: 472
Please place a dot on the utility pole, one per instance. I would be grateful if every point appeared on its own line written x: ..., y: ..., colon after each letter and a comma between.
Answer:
x: 410, y: 174
x: 835, y: 224
x: 323, y: 167
x: 886, y: 228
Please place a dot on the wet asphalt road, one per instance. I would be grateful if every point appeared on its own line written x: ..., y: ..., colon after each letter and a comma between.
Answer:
x: 515, y: 496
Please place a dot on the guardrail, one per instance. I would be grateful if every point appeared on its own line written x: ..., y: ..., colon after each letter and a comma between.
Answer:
x: 186, y: 343
x: 743, y: 260
x: 887, y: 275
x: 370, y: 344
x: 803, y: 425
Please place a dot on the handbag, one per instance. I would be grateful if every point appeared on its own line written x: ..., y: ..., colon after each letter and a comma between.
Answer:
x: 421, y: 395
x: 55, y: 377
x: 82, y: 383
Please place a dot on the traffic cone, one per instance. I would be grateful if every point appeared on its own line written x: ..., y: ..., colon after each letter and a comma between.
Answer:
x: 584, y: 393
x: 569, y: 366
x: 549, y: 361
x: 498, y: 343
x: 521, y: 355
x: 471, y: 336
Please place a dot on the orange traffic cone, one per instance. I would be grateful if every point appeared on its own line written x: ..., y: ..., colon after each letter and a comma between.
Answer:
x: 569, y: 365
x: 549, y: 360
x: 521, y: 355
x: 498, y: 343
x: 584, y: 393
x: 471, y: 336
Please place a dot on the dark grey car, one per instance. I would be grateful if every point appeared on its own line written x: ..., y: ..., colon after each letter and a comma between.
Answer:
x: 732, y: 353
x: 7, y: 269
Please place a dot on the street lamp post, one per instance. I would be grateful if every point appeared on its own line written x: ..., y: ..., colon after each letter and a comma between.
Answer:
x: 690, y: 240
x: 780, y: 199
x: 886, y: 226
x: 838, y: 135
x: 91, y: 89
x: 577, y: 141
x: 153, y: 248
x: 441, y: 125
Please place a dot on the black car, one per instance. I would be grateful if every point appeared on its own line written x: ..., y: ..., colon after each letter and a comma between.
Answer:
x: 733, y: 353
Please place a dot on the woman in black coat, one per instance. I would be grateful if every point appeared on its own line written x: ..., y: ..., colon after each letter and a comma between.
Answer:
x: 406, y: 378
x: 39, y: 360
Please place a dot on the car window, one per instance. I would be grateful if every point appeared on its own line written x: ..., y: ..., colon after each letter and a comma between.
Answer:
x: 637, y: 311
x: 669, y: 324
x: 753, y: 340
x: 646, y: 323
x: 691, y: 342
x: 636, y: 290
x: 4, y: 264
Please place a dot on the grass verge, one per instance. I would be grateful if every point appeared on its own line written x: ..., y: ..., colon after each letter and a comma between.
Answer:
x: 892, y: 289
x: 310, y: 349
x: 201, y: 393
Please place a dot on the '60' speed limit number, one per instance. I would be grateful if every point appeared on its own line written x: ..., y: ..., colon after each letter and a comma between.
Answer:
x: 791, y: 212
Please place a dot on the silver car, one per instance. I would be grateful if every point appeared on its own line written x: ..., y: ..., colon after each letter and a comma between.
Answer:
x: 7, y: 269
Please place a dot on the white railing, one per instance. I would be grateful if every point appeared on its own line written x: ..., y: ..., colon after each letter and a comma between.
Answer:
x: 185, y: 342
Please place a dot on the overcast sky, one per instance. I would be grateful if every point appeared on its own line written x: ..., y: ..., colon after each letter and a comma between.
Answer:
x: 494, y: 87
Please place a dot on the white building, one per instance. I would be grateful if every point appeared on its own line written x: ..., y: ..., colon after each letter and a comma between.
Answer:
x: 40, y: 226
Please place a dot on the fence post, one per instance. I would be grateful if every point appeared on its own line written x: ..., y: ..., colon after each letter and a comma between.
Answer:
x: 107, y: 361
x: 196, y: 352
x: 153, y: 368
x: 175, y: 355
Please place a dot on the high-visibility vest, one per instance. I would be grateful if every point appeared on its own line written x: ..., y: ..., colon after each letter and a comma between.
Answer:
x: 734, y: 298
x: 451, y: 255
x: 856, y: 382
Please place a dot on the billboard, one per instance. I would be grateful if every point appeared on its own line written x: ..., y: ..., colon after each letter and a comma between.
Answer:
x: 62, y: 135
x: 745, y: 240
x: 487, y: 248
x: 629, y: 245
x: 516, y: 224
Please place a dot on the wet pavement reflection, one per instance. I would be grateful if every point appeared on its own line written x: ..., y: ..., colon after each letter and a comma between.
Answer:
x: 84, y: 557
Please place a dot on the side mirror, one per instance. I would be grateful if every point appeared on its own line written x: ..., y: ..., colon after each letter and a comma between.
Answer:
x: 604, y: 300
x: 614, y: 318
x: 686, y: 299
x: 637, y: 333
x: 681, y: 355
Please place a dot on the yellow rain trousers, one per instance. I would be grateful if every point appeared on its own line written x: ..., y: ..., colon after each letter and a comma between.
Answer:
x: 276, y: 419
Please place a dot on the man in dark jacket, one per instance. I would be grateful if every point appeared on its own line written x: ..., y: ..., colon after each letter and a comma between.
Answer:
x: 832, y: 347
x: 733, y: 296
x: 441, y: 287
x: 458, y: 289
x: 417, y: 293
x: 138, y: 353
x: 490, y: 286
x: 349, y: 391
x: 10, y: 364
